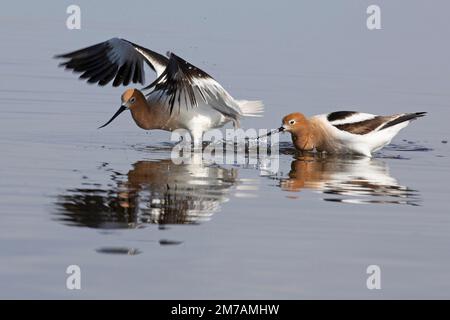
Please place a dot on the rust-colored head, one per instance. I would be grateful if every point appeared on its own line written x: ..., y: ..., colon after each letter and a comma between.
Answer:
x: 131, y: 99
x: 294, y: 122
x: 304, y: 135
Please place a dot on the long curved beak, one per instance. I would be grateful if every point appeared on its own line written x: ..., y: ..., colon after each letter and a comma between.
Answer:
x: 280, y: 129
x: 121, y: 109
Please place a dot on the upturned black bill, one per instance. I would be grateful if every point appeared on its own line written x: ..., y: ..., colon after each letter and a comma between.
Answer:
x: 121, y: 109
x: 280, y: 129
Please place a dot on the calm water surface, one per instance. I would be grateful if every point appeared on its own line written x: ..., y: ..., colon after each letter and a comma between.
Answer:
x: 139, y: 226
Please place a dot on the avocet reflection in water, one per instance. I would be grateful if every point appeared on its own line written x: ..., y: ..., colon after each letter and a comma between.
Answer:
x: 162, y: 192
x: 158, y: 192
x: 348, y: 179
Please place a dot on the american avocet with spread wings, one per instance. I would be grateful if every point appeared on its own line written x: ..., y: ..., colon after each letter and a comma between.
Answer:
x: 345, y: 131
x: 182, y: 96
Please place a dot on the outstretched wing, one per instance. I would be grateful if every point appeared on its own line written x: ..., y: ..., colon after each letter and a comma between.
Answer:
x: 117, y: 59
x: 184, y: 85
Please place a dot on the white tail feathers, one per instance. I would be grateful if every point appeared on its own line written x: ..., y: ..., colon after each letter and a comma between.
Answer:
x: 251, y: 108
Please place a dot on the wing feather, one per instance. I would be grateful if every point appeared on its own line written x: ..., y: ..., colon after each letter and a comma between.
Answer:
x: 347, y: 117
x: 364, y: 123
x: 183, y: 83
x: 117, y: 59
x: 355, y: 122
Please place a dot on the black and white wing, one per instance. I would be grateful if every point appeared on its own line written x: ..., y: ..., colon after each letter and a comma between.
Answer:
x: 364, y: 123
x: 183, y: 85
x: 355, y: 122
x: 116, y: 59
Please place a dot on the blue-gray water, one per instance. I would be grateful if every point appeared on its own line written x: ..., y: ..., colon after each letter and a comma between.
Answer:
x: 139, y: 226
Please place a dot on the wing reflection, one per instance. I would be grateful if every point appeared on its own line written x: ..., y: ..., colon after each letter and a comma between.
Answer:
x: 159, y: 192
x: 348, y: 179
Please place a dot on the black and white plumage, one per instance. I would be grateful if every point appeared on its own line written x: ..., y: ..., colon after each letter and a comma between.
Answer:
x: 116, y: 59
x: 365, y: 123
x: 363, y: 133
x: 181, y: 83
x: 182, y: 96
x: 345, y: 131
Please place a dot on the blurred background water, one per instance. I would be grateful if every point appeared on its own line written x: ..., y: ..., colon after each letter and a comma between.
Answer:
x: 139, y: 226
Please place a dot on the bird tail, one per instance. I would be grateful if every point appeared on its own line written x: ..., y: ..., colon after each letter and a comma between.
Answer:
x: 251, y: 108
x: 403, y: 118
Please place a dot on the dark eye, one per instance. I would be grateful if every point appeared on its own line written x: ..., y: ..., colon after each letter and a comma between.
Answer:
x: 291, y: 121
x: 133, y: 100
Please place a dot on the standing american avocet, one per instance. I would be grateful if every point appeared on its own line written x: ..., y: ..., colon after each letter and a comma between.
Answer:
x: 182, y: 96
x: 345, y: 131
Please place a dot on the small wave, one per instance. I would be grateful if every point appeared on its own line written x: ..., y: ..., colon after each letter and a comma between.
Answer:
x: 407, y: 145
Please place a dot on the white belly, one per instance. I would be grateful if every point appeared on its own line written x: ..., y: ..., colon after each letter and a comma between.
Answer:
x: 197, y: 120
x: 202, y: 118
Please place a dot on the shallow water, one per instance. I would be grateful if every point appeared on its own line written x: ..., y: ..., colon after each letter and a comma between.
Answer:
x: 139, y: 226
